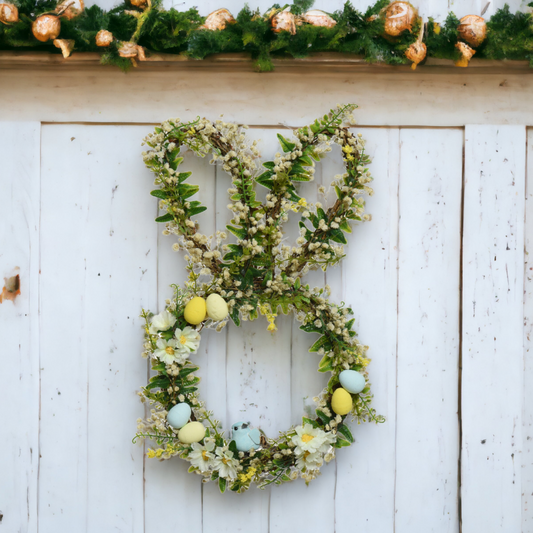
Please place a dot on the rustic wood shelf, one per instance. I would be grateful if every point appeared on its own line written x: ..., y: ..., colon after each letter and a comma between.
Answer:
x: 241, y: 61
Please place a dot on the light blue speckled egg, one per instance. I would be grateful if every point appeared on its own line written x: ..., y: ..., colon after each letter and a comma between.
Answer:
x: 352, y: 381
x: 179, y: 415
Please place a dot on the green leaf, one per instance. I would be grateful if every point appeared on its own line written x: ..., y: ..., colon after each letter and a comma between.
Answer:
x: 286, y: 145
x: 186, y: 190
x: 182, y: 176
x: 222, y: 484
x: 338, y: 236
x: 269, y: 164
x: 175, y: 160
x: 187, y: 370
x: 196, y: 210
x: 318, y: 344
x: 341, y: 443
x: 158, y: 382
x: 345, y: 432
x: 165, y: 218
x: 305, y: 420
x: 345, y: 226
x: 325, y: 364
x: 158, y: 193
x: 297, y: 284
x: 325, y: 418
x: 238, y: 232
x: 233, y: 447
x: 234, y: 315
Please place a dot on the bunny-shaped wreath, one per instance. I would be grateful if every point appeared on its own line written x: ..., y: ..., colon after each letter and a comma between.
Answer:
x: 256, y: 275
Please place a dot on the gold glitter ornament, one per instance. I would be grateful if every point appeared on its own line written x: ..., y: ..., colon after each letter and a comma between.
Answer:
x: 316, y: 17
x: 217, y: 20
x: 46, y: 28
x: 9, y: 13
x: 283, y: 21
x: 473, y: 30
x: 70, y: 9
x: 66, y: 46
x: 466, y: 54
x: 399, y: 17
x: 104, y: 38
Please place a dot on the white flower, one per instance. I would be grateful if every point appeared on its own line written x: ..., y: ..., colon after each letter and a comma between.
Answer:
x: 162, y: 322
x: 310, y: 439
x: 188, y: 340
x: 201, y: 456
x: 168, y: 352
x: 311, y: 461
x: 225, y: 464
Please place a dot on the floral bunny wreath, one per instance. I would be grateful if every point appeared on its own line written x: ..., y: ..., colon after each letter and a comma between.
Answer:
x: 257, y: 275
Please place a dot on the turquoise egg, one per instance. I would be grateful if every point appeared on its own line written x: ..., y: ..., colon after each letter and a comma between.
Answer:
x: 179, y: 415
x: 352, y: 381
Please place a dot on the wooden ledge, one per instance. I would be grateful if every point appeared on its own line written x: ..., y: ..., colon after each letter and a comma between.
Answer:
x: 325, y: 60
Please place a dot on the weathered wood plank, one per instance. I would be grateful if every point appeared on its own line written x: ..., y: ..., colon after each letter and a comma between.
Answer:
x: 527, y: 422
x: 427, y: 446
x: 107, y: 269
x: 168, y: 482
x: 370, y: 276
x: 19, y: 324
x: 32, y: 95
x: 493, y: 275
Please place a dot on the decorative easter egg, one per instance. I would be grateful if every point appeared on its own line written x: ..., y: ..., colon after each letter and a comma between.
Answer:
x: 195, y: 311
x: 192, y: 432
x: 217, y: 308
x: 315, y: 17
x: 341, y: 402
x: 352, y: 381
x: 399, y: 16
x: 179, y: 415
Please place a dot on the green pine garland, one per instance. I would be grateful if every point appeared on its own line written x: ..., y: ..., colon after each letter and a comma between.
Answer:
x: 509, y: 36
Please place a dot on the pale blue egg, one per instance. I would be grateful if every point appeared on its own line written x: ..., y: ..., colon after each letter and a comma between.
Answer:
x: 179, y: 415
x: 352, y: 381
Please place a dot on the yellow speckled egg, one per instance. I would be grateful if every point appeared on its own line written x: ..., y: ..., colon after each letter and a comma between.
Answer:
x: 195, y: 311
x: 217, y: 308
x: 341, y: 402
x: 191, y: 432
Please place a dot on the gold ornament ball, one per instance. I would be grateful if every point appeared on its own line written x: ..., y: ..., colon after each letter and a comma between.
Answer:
x: 139, y: 3
x: 283, y: 21
x: 218, y: 20
x: 46, y: 27
x: 316, y: 17
x: 473, y: 30
x: 104, y: 38
x: 416, y: 53
x: 9, y: 13
x: 70, y: 9
x: 399, y: 16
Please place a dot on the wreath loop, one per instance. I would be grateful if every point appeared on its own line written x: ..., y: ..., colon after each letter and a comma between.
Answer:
x: 256, y: 275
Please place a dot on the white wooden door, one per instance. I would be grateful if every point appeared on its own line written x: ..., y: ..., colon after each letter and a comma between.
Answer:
x: 436, y: 281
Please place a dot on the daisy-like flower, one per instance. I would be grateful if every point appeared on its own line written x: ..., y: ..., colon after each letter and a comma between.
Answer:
x: 310, y: 439
x: 168, y: 352
x: 161, y: 322
x: 188, y: 340
x: 226, y: 464
x: 201, y: 456
x: 311, y: 461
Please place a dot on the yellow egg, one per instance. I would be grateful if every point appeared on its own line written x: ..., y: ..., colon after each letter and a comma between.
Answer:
x: 341, y: 402
x: 191, y: 432
x: 217, y: 308
x: 195, y: 311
